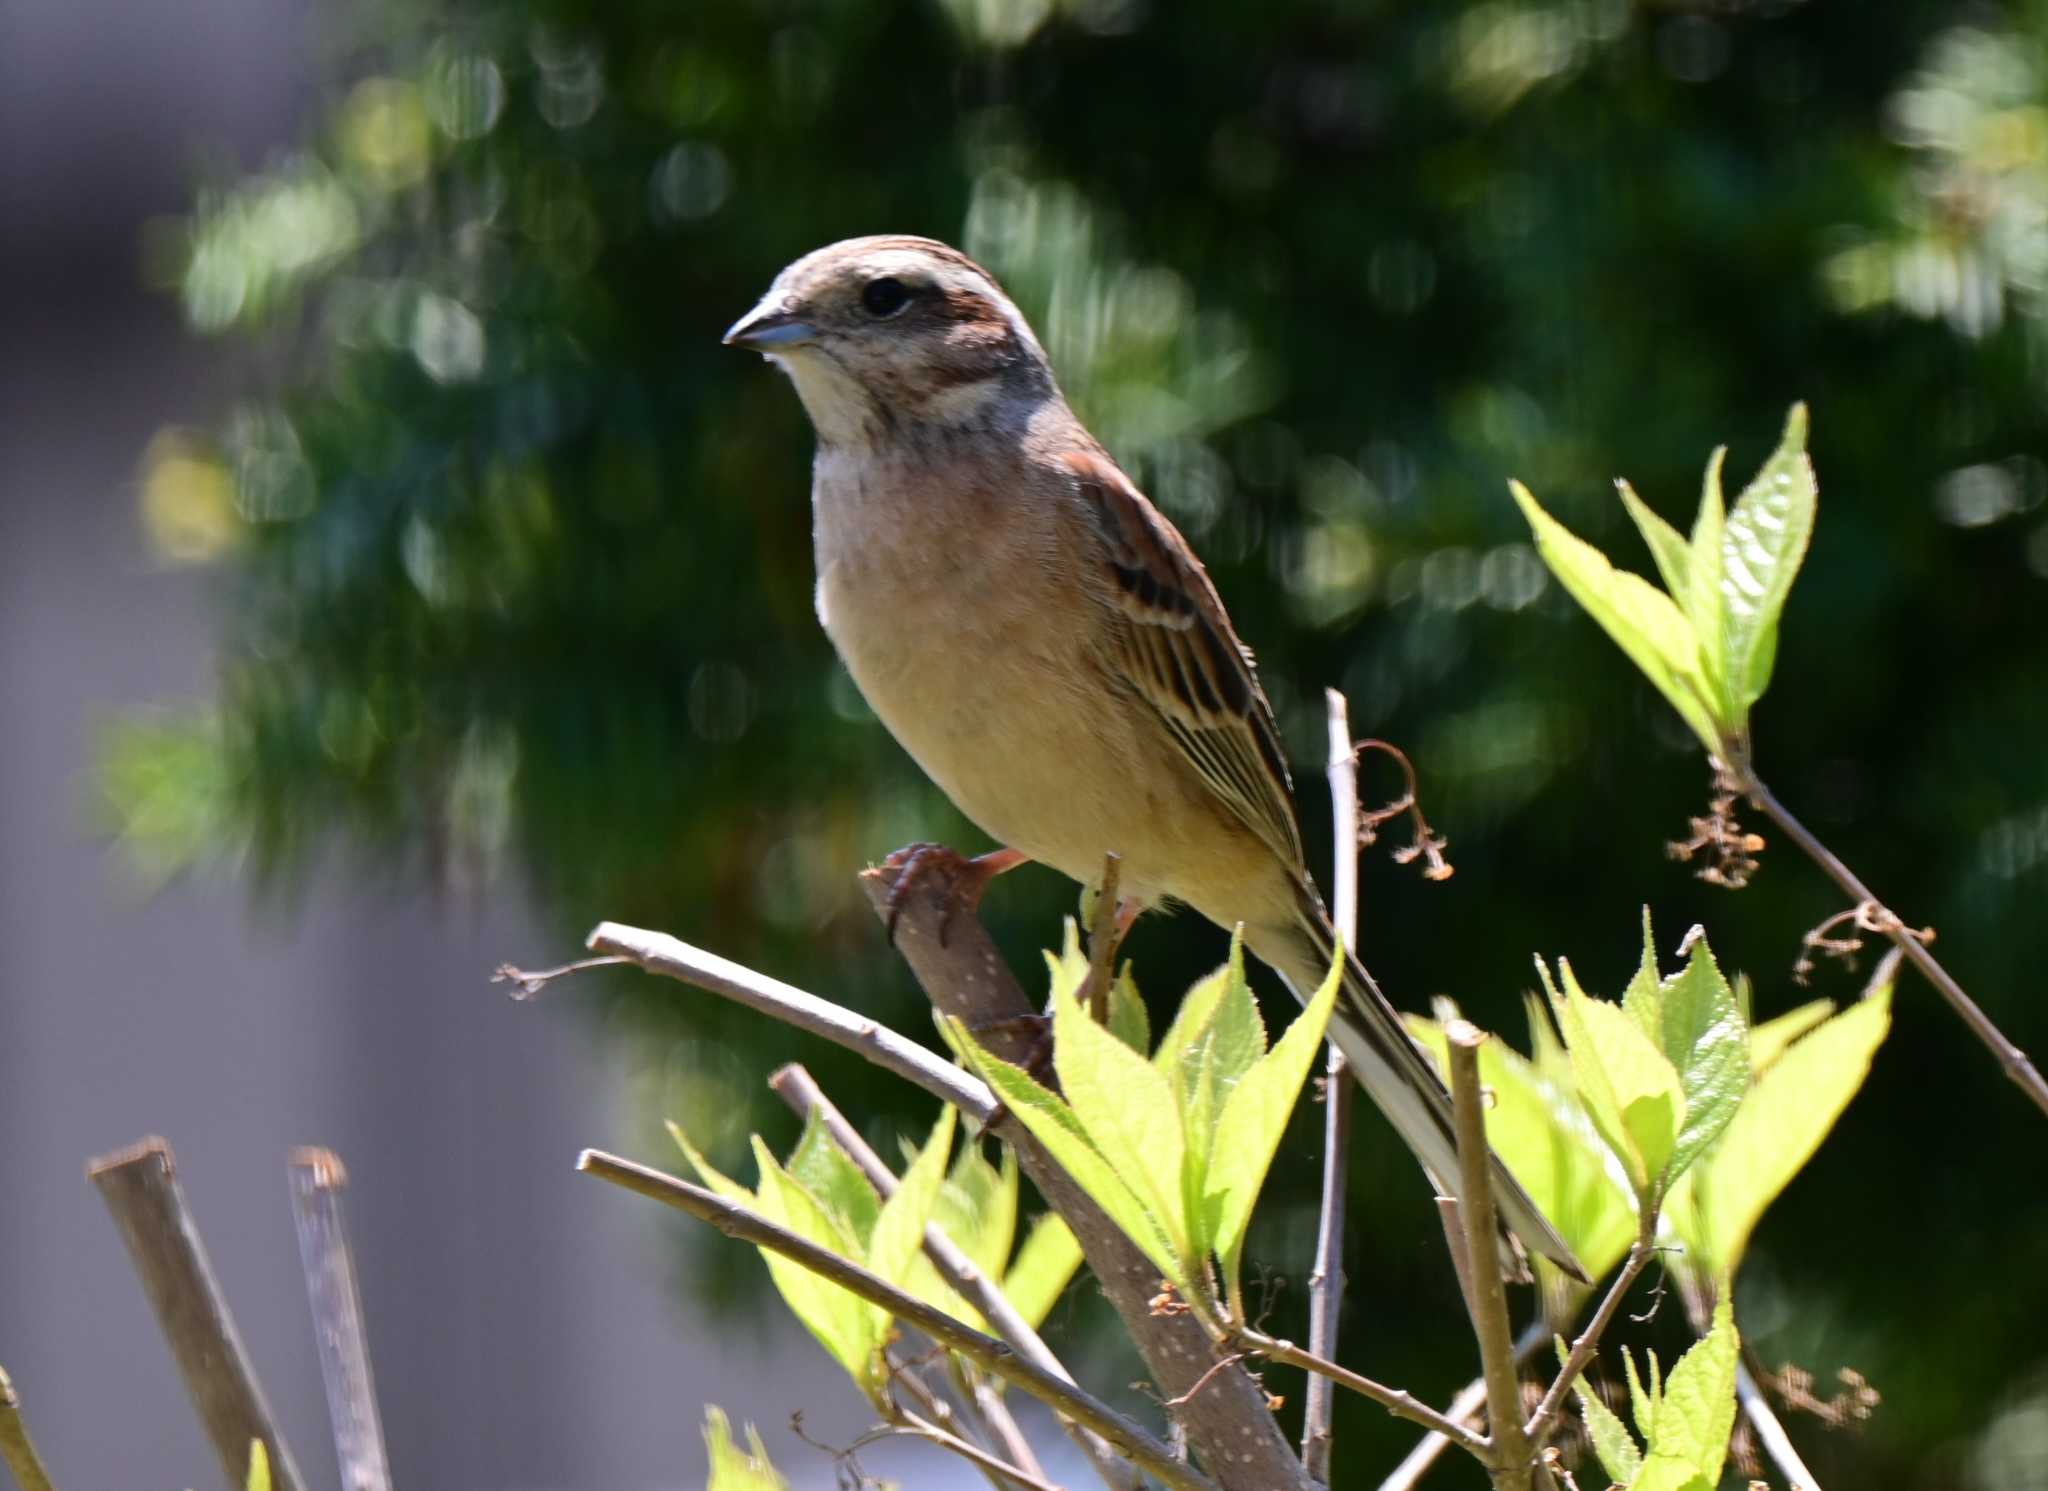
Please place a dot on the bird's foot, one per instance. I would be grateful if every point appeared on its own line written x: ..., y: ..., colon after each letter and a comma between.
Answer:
x: 963, y: 879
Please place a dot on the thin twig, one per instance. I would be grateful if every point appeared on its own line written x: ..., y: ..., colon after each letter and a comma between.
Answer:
x: 1514, y: 1456
x: 984, y: 1351
x: 2010, y: 1057
x: 1470, y: 1399
x: 799, y: 1089
x: 1544, y: 1419
x: 1770, y: 1433
x: 17, y: 1451
x: 1397, y: 1401
x: 340, y: 1336
x: 999, y: 1473
x: 140, y: 1186
x: 527, y: 983
x: 1326, y: 1277
x: 995, y: 1466
x: 659, y: 953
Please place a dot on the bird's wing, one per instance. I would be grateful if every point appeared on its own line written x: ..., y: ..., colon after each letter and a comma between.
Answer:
x: 1176, y: 650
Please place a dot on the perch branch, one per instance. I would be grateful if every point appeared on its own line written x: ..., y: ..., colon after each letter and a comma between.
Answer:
x: 1397, y: 1401
x: 800, y: 1090
x: 1326, y: 1277
x: 140, y: 1186
x: 986, y: 1352
x: 17, y: 1453
x: 1544, y: 1419
x: 1514, y: 1456
x: 339, y: 1334
x: 1471, y: 1398
x: 2013, y: 1060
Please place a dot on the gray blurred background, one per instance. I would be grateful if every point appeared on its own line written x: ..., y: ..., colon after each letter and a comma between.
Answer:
x: 525, y: 1328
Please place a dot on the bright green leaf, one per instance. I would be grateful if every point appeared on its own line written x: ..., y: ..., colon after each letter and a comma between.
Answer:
x: 1255, y: 1116
x: 1762, y: 547
x: 1697, y: 1412
x: 1054, y: 1124
x: 1045, y: 1265
x: 1774, y: 1133
x: 1643, y: 1400
x: 1701, y: 600
x: 1217, y: 1030
x: 1643, y: 621
x: 899, y: 1230
x: 1128, y: 1020
x: 821, y: 1167
x: 1700, y: 1031
x: 1612, y: 1442
x: 847, y: 1326
x: 978, y: 1208
x: 1669, y: 1475
x: 724, y: 1185
x: 1630, y: 1088
x: 1667, y: 544
x: 1768, y: 1041
x: 734, y: 1469
x: 259, y: 1466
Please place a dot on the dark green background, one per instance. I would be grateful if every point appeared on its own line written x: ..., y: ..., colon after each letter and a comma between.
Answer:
x: 519, y: 579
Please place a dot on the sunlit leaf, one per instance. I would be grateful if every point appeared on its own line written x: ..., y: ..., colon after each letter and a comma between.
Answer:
x: 847, y: 1326
x: 734, y: 1469
x: 1128, y: 1020
x: 1769, y: 1041
x: 899, y: 1230
x: 1045, y: 1265
x: 1692, y: 1017
x: 1775, y: 1131
x: 1702, y: 599
x: 1762, y: 548
x: 1697, y: 1411
x: 1644, y: 1397
x: 821, y: 1167
x: 1667, y: 545
x: 1631, y: 1089
x: 1254, y: 1117
x: 1643, y: 621
x: 1612, y: 1443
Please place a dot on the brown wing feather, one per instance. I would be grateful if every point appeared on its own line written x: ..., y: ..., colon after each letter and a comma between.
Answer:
x: 1177, y: 651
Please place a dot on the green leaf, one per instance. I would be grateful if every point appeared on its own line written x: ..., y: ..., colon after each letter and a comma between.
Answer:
x: 847, y: 1326
x: 259, y: 1466
x: 1643, y: 621
x: 1697, y: 1412
x: 1126, y: 1106
x: 978, y: 1208
x: 1643, y: 1401
x: 899, y: 1230
x: 1701, y: 599
x: 1054, y: 1124
x: 1045, y: 1265
x: 1768, y: 1041
x: 1762, y: 547
x: 1253, y: 1119
x: 1630, y: 1088
x: 821, y: 1167
x: 734, y: 1469
x: 1217, y: 1030
x: 1774, y: 1133
x: 1695, y: 1022
x: 1667, y: 544
x: 1128, y: 1020
x: 1612, y: 1442
x: 1543, y: 1135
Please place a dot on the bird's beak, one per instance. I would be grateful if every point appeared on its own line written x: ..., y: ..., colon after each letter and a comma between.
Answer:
x: 771, y: 327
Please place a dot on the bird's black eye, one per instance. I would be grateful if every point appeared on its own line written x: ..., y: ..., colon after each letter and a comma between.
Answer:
x: 885, y: 296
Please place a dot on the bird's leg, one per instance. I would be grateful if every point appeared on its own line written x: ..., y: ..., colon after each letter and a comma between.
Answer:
x: 964, y: 879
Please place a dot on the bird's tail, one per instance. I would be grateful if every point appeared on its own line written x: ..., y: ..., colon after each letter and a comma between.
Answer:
x: 1402, y: 1081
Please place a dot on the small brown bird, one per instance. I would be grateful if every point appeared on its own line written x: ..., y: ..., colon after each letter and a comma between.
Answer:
x: 1045, y: 644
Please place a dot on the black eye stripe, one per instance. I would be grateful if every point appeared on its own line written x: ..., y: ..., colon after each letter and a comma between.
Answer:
x: 884, y: 296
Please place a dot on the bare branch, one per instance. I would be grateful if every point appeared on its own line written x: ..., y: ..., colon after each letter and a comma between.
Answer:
x: 317, y: 1180
x: 1909, y: 941
x: 984, y: 1351
x: 17, y: 1452
x: 1471, y: 1398
x: 1514, y: 1456
x: 1397, y: 1401
x: 1326, y: 1277
x: 1234, y: 1434
x: 997, y: 1468
x: 796, y: 1087
x: 140, y: 1186
x: 1544, y: 1419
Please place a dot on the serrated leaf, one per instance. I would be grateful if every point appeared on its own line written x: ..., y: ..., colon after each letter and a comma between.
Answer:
x: 1643, y: 621
x: 1669, y: 1475
x: 977, y: 1208
x: 1762, y: 547
x: 1254, y: 1117
x: 1054, y: 1124
x: 1541, y: 1133
x: 1701, y: 599
x: 849, y: 1328
x: 1217, y: 1028
x: 734, y: 1469
x: 1697, y: 1412
x: 1667, y: 544
x: 1129, y: 1021
x: 1769, y: 1041
x: 821, y: 1167
x: 1698, y: 1027
x: 899, y: 1230
x: 1045, y: 1265
x: 1612, y: 1443
x: 1069, y: 966
x: 1127, y: 1108
x: 1775, y: 1131
x: 1643, y: 1400
x: 1630, y: 1088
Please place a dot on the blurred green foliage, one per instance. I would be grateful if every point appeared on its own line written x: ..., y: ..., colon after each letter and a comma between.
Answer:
x: 518, y: 578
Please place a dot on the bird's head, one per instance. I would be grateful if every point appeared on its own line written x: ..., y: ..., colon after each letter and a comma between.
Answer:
x: 893, y: 335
